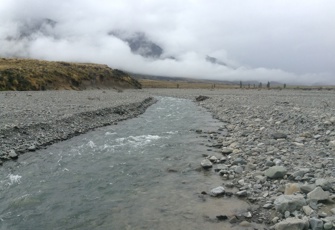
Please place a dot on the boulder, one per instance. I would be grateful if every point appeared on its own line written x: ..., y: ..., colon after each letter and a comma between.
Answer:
x: 293, y: 224
x: 276, y: 172
x: 289, y: 203
x: 318, y: 194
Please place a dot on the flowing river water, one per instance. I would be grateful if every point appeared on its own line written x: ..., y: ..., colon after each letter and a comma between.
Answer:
x: 140, y: 174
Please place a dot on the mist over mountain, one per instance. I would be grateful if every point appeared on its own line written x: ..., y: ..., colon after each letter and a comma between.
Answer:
x: 219, y: 40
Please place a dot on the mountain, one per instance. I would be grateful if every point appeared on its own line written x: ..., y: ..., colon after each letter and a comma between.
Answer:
x: 30, y: 74
x: 139, y: 44
x: 34, y: 27
x: 213, y: 60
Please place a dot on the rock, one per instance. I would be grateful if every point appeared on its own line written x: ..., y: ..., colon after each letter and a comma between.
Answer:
x: 306, y: 188
x: 218, y: 191
x: 307, y: 210
x: 292, y: 224
x: 242, y: 193
x: 267, y: 206
x: 332, y: 120
x: 201, y: 98
x: 323, y: 183
x: 239, y: 161
x: 328, y: 226
x: 318, y: 194
x: 213, y: 159
x: 332, y: 143
x: 316, y: 224
x: 289, y: 203
x: 226, y: 150
x: 238, y: 169
x: 279, y: 136
x: 222, y: 217
x: 275, y: 219
x: 276, y: 172
x: 32, y: 148
x: 12, y: 154
x: 206, y: 164
x: 291, y: 188
x: 245, y: 224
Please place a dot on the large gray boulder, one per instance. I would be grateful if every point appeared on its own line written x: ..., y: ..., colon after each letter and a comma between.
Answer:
x: 289, y: 203
x: 293, y: 224
x: 318, y: 194
x: 276, y: 172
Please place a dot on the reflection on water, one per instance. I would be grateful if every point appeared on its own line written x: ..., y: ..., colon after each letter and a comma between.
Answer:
x: 140, y: 174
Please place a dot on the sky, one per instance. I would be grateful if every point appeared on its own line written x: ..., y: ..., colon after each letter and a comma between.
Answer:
x: 288, y: 41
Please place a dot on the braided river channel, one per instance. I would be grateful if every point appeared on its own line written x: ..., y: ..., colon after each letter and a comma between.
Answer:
x: 143, y: 173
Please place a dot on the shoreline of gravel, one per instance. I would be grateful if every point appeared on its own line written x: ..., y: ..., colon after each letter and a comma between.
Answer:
x: 276, y: 148
x: 33, y: 120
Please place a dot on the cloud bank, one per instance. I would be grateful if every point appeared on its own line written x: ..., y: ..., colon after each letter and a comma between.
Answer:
x: 261, y: 40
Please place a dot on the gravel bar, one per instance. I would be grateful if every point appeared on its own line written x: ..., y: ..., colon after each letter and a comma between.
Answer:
x: 34, y: 119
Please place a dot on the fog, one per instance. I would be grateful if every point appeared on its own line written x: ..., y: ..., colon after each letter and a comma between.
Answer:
x: 290, y: 42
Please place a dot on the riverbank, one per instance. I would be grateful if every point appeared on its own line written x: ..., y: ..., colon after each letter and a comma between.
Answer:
x: 277, y: 149
x: 33, y: 120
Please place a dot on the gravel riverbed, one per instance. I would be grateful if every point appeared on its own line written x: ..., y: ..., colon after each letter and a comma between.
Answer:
x: 33, y: 120
x: 275, y: 148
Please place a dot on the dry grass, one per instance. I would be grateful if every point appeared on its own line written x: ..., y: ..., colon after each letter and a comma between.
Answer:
x: 146, y: 83
x: 30, y: 74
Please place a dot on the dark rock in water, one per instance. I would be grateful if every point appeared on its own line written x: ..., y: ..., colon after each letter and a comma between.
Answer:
x: 222, y: 217
x: 278, y: 136
x: 201, y: 98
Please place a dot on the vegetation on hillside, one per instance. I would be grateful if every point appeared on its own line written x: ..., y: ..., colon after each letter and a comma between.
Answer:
x: 30, y: 74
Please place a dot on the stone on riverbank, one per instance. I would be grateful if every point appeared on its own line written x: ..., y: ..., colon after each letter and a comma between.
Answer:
x: 292, y: 224
x: 289, y: 203
x: 276, y: 172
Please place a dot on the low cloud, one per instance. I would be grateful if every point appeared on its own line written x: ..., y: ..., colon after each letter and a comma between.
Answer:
x: 258, y: 40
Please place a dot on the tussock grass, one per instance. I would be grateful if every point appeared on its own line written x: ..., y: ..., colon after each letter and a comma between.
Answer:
x: 30, y: 74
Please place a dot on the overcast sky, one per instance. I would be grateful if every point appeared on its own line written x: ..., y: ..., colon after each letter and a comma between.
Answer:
x: 266, y: 40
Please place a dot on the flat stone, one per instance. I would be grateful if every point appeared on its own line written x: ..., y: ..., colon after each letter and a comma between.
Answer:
x: 206, y: 164
x: 218, y: 191
x: 307, y: 210
x: 306, y: 188
x: 276, y: 172
x: 292, y: 224
x: 227, y: 150
x: 289, y: 203
x: 318, y: 194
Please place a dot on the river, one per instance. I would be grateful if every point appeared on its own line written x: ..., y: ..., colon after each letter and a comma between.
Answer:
x: 142, y: 173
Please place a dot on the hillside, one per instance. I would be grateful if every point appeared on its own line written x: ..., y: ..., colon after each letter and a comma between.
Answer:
x: 30, y: 74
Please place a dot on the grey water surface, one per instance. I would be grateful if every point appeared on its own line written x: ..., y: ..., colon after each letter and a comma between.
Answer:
x: 140, y: 174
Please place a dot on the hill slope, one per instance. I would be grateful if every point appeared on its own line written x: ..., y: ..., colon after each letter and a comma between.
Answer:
x: 30, y: 74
